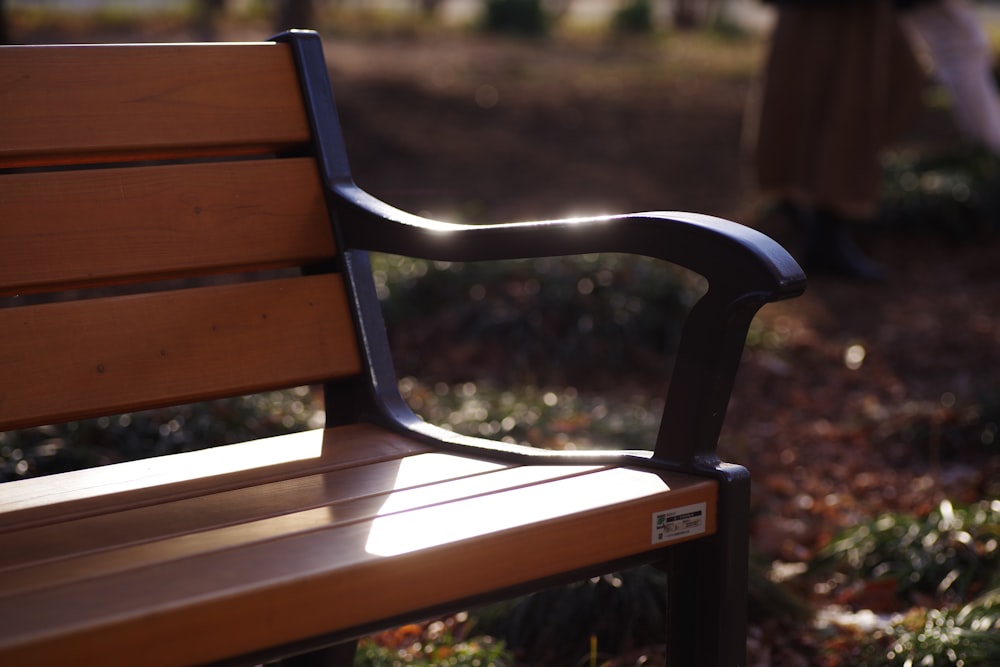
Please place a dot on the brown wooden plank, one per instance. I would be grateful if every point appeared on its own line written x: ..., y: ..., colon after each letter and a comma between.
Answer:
x: 125, y: 486
x: 65, y: 104
x: 269, y: 589
x: 106, y: 356
x: 118, y: 529
x: 69, y: 228
x: 62, y: 554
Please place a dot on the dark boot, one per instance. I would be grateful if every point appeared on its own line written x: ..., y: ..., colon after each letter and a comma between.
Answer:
x: 829, y: 247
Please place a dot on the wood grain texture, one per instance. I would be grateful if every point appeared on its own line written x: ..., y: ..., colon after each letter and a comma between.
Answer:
x: 66, y: 229
x: 280, y: 561
x: 104, y: 356
x: 62, y: 553
x: 125, y: 486
x: 68, y: 104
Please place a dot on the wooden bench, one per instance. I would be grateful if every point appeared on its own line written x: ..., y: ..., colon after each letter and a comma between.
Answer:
x: 150, y: 168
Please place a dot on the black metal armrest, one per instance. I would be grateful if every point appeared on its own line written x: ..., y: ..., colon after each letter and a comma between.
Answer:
x: 744, y: 268
x: 723, y: 252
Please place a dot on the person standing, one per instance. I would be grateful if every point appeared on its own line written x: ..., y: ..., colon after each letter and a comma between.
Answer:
x: 840, y: 82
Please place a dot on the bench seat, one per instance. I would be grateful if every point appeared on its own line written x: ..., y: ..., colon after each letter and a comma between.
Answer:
x: 339, y: 527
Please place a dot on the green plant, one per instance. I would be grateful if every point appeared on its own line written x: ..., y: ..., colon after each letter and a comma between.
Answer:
x: 479, y: 652
x: 619, y: 614
x: 727, y: 29
x: 951, y: 192
x: 554, y: 627
x: 634, y: 18
x: 951, y: 554
x: 524, y: 18
x: 498, y: 349
x: 964, y: 636
x: 540, y: 321
x: 553, y: 418
x: 438, y: 643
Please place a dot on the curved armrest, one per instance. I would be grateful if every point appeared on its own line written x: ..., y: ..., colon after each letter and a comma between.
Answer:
x: 745, y: 269
x: 720, y: 250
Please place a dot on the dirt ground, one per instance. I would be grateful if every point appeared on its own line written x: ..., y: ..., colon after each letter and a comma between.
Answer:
x: 496, y: 130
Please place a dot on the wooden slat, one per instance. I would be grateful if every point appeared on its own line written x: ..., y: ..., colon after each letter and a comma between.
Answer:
x: 66, y: 104
x: 392, y: 537
x: 105, y: 356
x: 64, y: 229
x: 120, y: 528
x: 125, y: 486
x: 62, y: 553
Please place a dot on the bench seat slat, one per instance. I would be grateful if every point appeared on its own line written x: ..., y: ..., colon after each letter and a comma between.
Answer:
x: 374, y: 544
x: 261, y: 502
x: 149, y: 223
x: 199, y: 526
x: 125, y: 486
x: 118, y: 354
x: 66, y: 104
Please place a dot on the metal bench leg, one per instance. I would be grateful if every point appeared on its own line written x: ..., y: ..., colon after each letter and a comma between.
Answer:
x: 707, y: 586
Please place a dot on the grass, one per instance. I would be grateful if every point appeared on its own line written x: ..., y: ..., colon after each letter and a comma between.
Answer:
x: 949, y: 555
x: 943, y: 570
x: 438, y: 643
x: 964, y: 636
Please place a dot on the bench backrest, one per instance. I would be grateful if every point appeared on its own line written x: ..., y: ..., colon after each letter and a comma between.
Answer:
x: 178, y: 195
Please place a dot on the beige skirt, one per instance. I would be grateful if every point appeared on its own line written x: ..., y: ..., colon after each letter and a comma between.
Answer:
x: 840, y: 84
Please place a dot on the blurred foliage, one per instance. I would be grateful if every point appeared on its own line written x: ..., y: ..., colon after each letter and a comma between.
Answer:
x: 774, y: 597
x: 498, y: 349
x: 523, y: 18
x: 437, y: 643
x: 725, y: 29
x: 622, y: 611
x: 118, y: 17
x: 955, y: 193
x: 127, y: 437
x: 940, y: 431
x: 553, y: 419
x: 618, y: 614
x: 633, y: 18
x: 951, y: 555
x: 964, y: 636
x: 557, y: 321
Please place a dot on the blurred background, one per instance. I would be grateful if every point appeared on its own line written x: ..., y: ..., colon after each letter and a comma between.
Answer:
x: 867, y: 412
